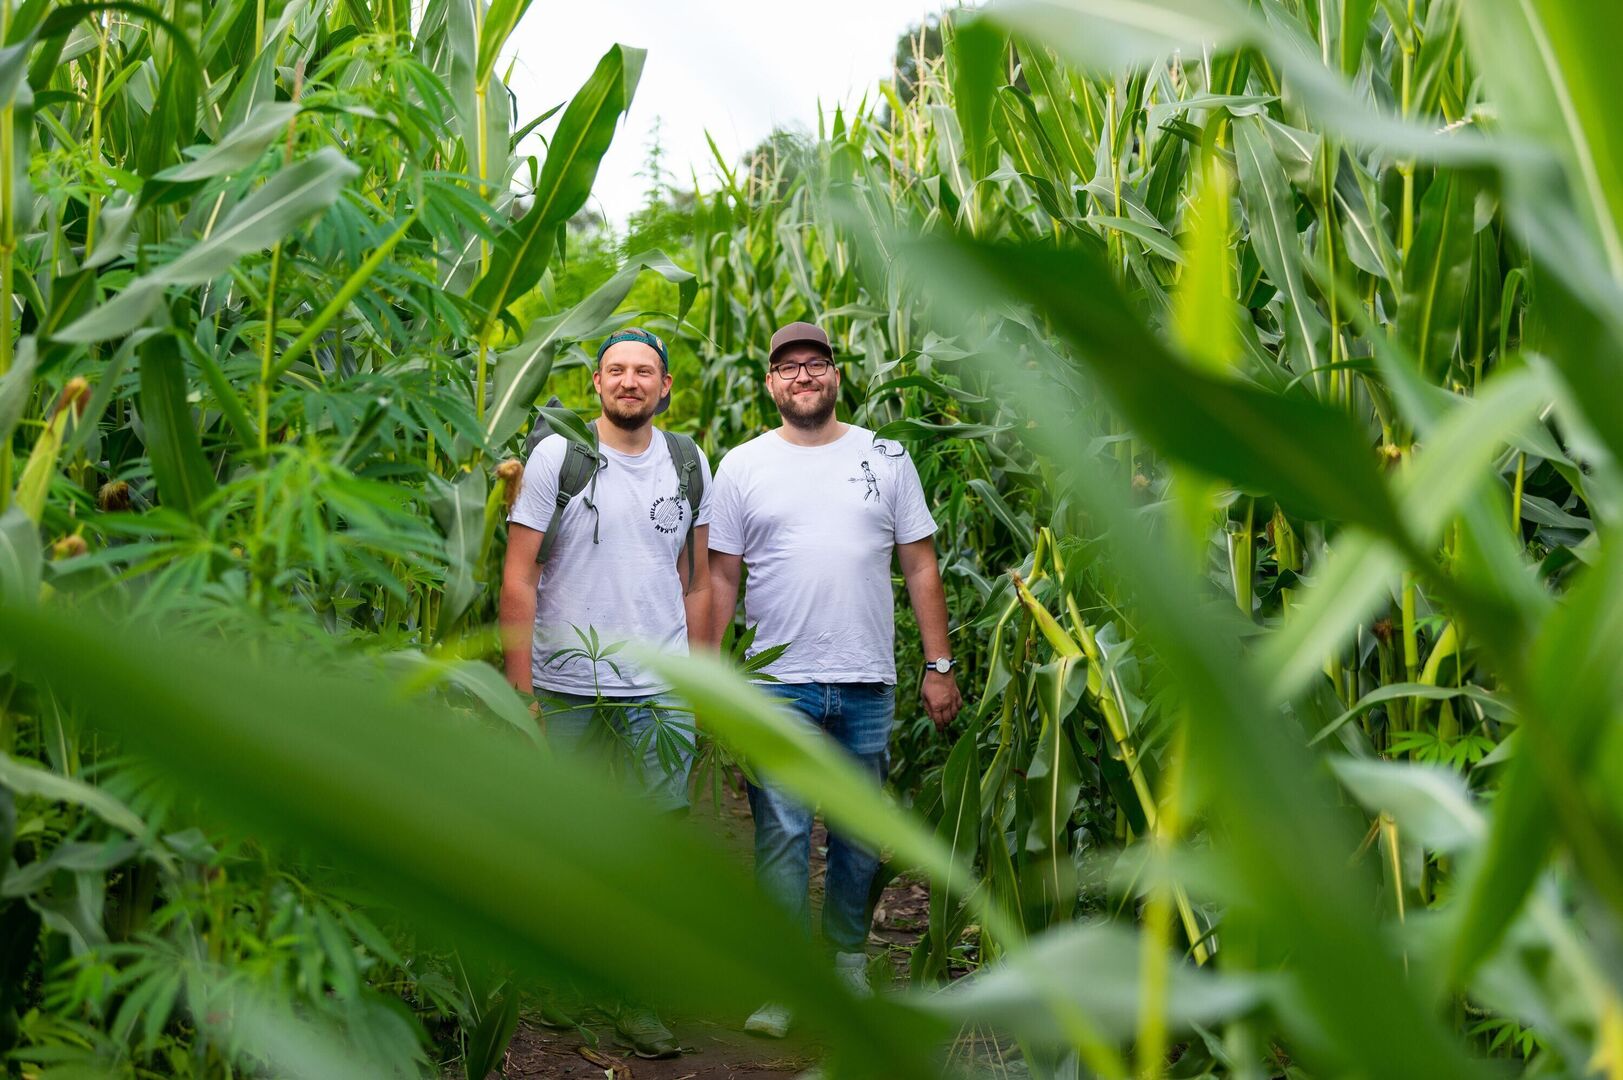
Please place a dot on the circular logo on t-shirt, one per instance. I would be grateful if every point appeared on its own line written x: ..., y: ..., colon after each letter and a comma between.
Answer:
x: 667, y: 513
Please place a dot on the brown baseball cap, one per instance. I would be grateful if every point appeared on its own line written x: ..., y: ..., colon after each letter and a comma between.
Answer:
x: 799, y: 333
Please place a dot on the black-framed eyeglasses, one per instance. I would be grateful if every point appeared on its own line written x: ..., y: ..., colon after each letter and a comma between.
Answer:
x: 789, y: 370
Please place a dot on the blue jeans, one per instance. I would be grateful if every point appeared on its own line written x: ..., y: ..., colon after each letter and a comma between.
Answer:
x: 858, y: 716
x: 645, y: 740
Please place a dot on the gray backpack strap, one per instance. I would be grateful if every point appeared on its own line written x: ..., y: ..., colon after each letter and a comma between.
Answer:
x: 579, y: 469
x: 689, y: 484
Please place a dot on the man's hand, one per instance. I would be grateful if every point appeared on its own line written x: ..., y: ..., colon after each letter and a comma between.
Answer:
x: 941, y: 698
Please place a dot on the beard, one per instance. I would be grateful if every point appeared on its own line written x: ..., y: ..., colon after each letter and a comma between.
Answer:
x: 629, y: 415
x: 805, y: 411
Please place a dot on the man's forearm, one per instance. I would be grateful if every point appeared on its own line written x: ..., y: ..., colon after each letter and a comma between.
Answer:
x: 724, y: 576
x: 929, y: 599
x: 697, y: 605
x: 517, y: 630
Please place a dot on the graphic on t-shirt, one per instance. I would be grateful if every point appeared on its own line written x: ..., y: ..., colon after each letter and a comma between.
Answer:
x: 867, y: 477
x: 667, y: 513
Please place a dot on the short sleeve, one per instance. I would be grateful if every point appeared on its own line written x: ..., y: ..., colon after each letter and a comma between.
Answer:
x: 708, y: 498
x: 726, y: 509
x: 910, y: 512
x: 539, y: 491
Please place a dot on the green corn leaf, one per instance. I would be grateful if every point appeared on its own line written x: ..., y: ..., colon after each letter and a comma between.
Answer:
x: 183, y: 476
x: 1270, y: 207
x: 1355, y: 16
x: 17, y: 387
x: 1572, y: 683
x: 289, y: 198
x: 1442, y: 478
x: 501, y: 19
x: 523, y: 251
x: 1055, y: 113
x: 488, y: 1041
x: 239, y: 148
x: 458, y: 57
x: 1364, y: 227
x: 1117, y: 35
x: 422, y: 672
x: 1153, y: 239
x: 114, y: 225
x: 567, y: 422
x: 807, y: 764
x: 1430, y: 803
x: 1396, y: 691
x: 1585, y: 343
x: 459, y: 510
x: 911, y: 430
x: 1099, y: 965
x: 23, y: 779
x: 977, y: 50
x: 1550, y: 68
x: 959, y: 829
x: 1285, y: 839
x: 1435, y: 274
x: 20, y: 561
x: 1203, y: 304
x: 430, y: 812
x: 1053, y: 783
x: 1019, y: 525
x: 1220, y: 427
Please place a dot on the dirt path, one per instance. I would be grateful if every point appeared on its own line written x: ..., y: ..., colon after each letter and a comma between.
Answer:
x: 714, y: 1051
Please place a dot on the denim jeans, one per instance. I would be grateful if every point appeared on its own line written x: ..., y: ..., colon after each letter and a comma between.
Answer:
x: 644, y: 740
x: 858, y: 716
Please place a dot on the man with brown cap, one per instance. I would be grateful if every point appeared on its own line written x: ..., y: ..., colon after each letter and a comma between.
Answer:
x: 814, y: 508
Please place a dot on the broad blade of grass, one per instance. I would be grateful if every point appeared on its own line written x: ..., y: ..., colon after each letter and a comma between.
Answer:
x: 523, y: 251
x: 1284, y: 837
x: 1308, y: 454
x: 539, y: 861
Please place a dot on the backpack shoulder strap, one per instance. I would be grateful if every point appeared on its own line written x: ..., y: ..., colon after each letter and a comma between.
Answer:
x: 578, y: 469
x: 689, y: 483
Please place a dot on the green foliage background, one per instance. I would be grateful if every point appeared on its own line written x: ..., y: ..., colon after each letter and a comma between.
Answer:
x: 1260, y: 359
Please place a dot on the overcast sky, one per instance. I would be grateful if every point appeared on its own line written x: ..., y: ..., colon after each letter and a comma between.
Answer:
x: 736, y: 68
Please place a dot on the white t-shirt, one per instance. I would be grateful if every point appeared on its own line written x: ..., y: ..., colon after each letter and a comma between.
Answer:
x: 816, y: 526
x: 625, y: 586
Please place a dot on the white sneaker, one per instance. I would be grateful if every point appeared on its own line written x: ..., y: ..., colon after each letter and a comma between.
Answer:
x: 852, y: 969
x: 771, y: 1020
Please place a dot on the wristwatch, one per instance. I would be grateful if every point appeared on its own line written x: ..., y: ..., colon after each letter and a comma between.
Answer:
x: 941, y: 666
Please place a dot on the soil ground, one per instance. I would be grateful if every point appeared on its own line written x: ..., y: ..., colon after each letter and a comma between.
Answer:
x: 714, y: 1051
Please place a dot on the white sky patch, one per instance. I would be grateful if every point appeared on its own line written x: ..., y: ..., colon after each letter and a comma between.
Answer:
x: 737, y: 68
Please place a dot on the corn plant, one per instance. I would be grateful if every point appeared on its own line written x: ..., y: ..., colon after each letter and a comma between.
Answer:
x: 1317, y: 209
x: 262, y: 350
x: 1259, y: 359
